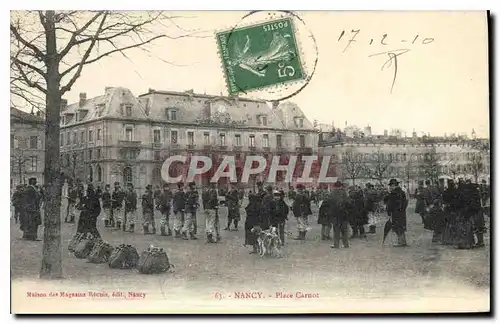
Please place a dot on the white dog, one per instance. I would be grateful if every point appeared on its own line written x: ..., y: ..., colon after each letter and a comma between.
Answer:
x: 269, y: 243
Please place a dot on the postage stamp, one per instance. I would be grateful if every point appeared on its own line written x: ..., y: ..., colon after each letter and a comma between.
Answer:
x: 260, y: 55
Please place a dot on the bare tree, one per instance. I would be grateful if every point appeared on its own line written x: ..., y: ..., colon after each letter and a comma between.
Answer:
x: 49, y: 51
x: 378, y: 167
x: 476, y: 165
x: 352, y: 166
x: 18, y: 158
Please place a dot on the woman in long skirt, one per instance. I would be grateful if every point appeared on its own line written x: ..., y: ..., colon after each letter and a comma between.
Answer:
x: 90, y: 209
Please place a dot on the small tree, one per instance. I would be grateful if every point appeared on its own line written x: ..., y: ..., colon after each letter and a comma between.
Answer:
x: 476, y: 165
x: 352, y: 166
x: 378, y: 168
x: 430, y: 166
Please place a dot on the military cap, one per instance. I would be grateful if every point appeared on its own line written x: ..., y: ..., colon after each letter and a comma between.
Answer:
x: 149, y: 186
x: 117, y: 183
x: 393, y: 182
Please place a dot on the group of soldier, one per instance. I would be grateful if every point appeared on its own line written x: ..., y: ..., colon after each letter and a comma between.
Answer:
x: 27, y: 201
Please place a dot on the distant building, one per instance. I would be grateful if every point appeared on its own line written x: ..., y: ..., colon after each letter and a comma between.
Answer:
x: 410, y: 159
x: 27, y: 147
x: 119, y: 137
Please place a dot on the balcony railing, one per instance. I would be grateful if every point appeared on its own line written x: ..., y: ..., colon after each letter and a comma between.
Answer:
x: 207, y: 147
x: 304, y: 150
x: 125, y: 143
x: 266, y: 149
x: 237, y: 148
x: 252, y: 148
x: 222, y: 147
x: 191, y: 146
x: 157, y: 144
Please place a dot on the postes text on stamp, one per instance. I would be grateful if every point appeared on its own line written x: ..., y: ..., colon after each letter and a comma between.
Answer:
x: 260, y: 55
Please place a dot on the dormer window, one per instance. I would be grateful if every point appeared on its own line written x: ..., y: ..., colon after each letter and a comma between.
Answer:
x: 299, y: 122
x: 126, y: 109
x: 171, y: 114
x: 262, y: 120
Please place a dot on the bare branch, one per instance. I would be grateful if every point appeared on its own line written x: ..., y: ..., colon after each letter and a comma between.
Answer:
x: 72, y: 42
x: 37, y: 53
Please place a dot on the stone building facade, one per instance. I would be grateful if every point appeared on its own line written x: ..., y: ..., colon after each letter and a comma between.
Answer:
x: 120, y: 137
x: 27, y: 147
x: 378, y: 158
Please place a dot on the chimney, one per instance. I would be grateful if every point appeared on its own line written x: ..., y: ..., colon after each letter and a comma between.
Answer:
x: 64, y: 104
x: 83, y: 98
x: 32, y: 112
x: 386, y: 133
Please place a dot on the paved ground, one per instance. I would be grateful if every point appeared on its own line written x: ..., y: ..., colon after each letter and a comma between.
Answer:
x: 368, y: 276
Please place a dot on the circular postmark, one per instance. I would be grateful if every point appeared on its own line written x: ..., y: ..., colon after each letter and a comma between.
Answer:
x: 268, y: 55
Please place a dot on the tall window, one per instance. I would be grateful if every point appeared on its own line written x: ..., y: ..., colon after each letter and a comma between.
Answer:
x: 265, y: 140
x: 252, y: 141
x: 156, y: 136
x: 99, y: 173
x: 129, y: 132
x: 279, y: 141
x: 237, y: 138
x: 173, y: 137
x: 157, y: 155
x: 128, y: 111
x: 34, y: 162
x: 74, y: 138
x: 127, y: 175
x: 33, y: 142
x: 302, y: 139
x: 98, y: 153
x: 206, y: 138
x: 264, y: 120
x: 91, y: 174
x: 90, y: 154
x: 91, y: 135
x: 98, y: 134
x: 68, y: 139
x: 190, y: 138
x: 82, y: 136
x: 222, y: 139
x: 171, y: 114
x: 61, y: 139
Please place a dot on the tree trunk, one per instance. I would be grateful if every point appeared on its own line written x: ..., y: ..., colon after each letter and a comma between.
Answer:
x: 52, y: 253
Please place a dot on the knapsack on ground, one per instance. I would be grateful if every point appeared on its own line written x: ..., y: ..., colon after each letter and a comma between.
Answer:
x: 153, y: 260
x: 74, y: 241
x: 85, y: 246
x: 100, y: 253
x: 124, y: 257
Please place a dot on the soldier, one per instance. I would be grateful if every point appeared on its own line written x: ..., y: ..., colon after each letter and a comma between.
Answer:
x: 98, y: 192
x: 106, y: 206
x: 179, y: 204
x: 324, y: 216
x: 117, y: 204
x: 32, y: 217
x: 267, y: 209
x: 396, y: 209
x: 300, y: 209
x: 338, y: 210
x: 148, y: 211
x: 280, y: 214
x: 130, y: 208
x: 164, y: 206
x: 233, y: 208
x: 192, y: 204
x: 72, y: 200
x: 210, y: 202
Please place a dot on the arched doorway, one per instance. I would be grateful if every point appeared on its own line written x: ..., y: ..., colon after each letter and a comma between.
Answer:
x: 127, y: 175
x: 99, y: 173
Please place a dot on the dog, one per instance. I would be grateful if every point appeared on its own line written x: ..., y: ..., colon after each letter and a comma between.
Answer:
x: 269, y: 243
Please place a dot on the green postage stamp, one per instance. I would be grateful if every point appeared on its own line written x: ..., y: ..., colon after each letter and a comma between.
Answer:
x: 260, y: 55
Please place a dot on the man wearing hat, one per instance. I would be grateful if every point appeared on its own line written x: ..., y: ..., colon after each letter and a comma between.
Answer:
x: 210, y: 201
x: 130, y: 209
x: 233, y: 207
x: 338, y: 212
x: 164, y: 202
x: 300, y: 208
x: 179, y: 204
x: 396, y: 209
x: 117, y: 198
x: 148, y: 211
x: 192, y: 204
x: 267, y: 208
x: 280, y: 214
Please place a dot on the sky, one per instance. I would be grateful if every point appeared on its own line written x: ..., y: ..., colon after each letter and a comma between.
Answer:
x: 440, y: 87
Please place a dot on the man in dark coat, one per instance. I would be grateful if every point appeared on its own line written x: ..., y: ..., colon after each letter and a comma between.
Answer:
x: 324, y: 215
x: 451, y: 206
x: 210, y: 202
x: 471, y: 218
x: 148, y: 207
x: 163, y: 205
x: 106, y: 205
x: 90, y: 207
x: 396, y: 209
x: 179, y: 205
x: 300, y: 208
x: 117, y: 198
x: 370, y: 202
x: 267, y: 208
x: 17, y: 202
x: 233, y: 207
x: 32, y: 217
x: 192, y: 205
x: 280, y: 214
x: 130, y: 209
x: 358, y: 213
x: 338, y: 212
x: 252, y: 220
x: 421, y: 204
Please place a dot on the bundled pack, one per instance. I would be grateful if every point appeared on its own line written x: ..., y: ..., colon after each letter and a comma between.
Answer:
x: 75, y: 240
x: 100, y: 253
x: 124, y: 256
x: 153, y: 260
x: 85, y: 246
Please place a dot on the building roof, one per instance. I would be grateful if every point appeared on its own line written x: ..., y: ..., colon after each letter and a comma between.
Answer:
x: 22, y: 116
